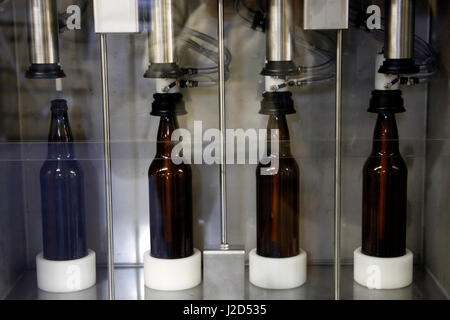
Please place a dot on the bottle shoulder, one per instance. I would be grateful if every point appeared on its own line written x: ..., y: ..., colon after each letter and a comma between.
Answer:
x: 61, y: 168
x: 287, y: 167
x: 380, y: 163
x: 164, y: 167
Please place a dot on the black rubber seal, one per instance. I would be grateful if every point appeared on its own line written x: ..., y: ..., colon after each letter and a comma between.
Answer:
x: 59, y: 105
x: 167, y: 104
x: 386, y: 101
x: 399, y: 66
x: 163, y: 71
x: 280, y: 68
x: 277, y: 103
x: 45, y: 71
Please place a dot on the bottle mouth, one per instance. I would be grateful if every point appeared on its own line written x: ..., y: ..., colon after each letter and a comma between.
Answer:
x: 59, y: 105
x: 275, y: 103
x: 386, y: 101
x: 168, y: 104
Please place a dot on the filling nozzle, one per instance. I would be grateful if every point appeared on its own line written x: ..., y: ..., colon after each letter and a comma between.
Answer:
x: 384, y: 81
x: 399, y: 37
x: 387, y: 96
x: 279, y: 58
x: 59, y: 88
x: 280, y: 39
x: 162, y: 42
x: 43, y: 40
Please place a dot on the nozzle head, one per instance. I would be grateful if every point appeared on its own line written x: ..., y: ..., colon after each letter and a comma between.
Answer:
x: 45, y: 71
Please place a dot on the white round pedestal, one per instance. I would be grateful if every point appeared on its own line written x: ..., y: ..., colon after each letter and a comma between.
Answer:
x: 65, y: 276
x: 277, y: 273
x: 383, y: 273
x: 173, y: 274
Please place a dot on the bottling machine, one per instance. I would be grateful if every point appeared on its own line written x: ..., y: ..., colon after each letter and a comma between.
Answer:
x: 222, y: 149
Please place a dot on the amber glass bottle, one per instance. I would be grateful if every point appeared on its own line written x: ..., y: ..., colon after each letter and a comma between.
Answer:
x: 277, y: 202
x: 170, y: 186
x: 384, y: 193
x: 62, y: 192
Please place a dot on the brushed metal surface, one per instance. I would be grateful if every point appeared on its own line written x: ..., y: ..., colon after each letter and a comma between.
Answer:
x: 325, y: 14
x: 222, y: 128
x: 26, y: 289
x: 130, y: 286
x: 107, y: 162
x: 399, y: 31
x: 224, y: 273
x: 43, y: 31
x: 280, y: 31
x: 161, y: 39
x: 338, y: 168
x: 423, y: 288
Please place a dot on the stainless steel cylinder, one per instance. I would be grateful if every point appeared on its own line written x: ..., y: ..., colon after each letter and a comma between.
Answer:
x: 280, y: 31
x: 399, y: 39
x: 162, y: 32
x: 43, y: 31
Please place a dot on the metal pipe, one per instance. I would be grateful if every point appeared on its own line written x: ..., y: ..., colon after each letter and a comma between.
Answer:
x: 43, y: 44
x: 162, y: 32
x: 222, y: 124
x: 162, y: 42
x: 337, y: 172
x: 400, y: 16
x: 107, y: 150
x: 43, y: 31
x: 399, y: 38
x: 280, y: 31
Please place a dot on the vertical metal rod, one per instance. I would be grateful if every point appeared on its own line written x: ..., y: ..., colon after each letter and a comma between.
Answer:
x: 222, y: 124
x: 107, y: 149
x: 337, y: 177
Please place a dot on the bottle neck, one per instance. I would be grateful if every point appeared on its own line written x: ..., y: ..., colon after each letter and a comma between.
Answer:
x: 385, y: 137
x: 167, y: 125
x: 278, y: 121
x: 60, y: 139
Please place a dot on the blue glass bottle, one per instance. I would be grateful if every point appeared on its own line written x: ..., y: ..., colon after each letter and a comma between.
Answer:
x: 62, y: 192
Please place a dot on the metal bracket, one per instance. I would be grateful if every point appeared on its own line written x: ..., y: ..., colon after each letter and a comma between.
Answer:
x: 326, y: 14
x: 224, y: 273
x: 117, y: 16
